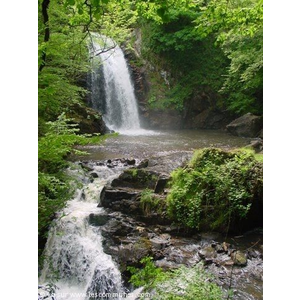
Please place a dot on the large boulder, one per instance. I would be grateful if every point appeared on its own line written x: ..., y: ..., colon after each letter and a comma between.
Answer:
x: 160, y: 242
x: 248, y: 125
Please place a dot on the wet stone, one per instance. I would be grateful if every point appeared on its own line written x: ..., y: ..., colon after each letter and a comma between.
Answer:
x: 207, y: 252
x: 166, y: 265
x: 94, y: 175
x: 131, y: 162
x: 225, y: 246
x: 86, y: 166
x: 239, y: 258
x: 143, y: 164
x: 98, y: 220
x: 160, y: 242
x: 161, y: 184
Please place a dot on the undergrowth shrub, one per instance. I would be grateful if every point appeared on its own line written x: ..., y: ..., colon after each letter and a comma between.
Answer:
x: 183, y: 283
x: 148, y: 275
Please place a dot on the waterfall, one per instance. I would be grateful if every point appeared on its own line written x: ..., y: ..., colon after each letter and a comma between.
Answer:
x: 111, y: 76
x: 75, y: 260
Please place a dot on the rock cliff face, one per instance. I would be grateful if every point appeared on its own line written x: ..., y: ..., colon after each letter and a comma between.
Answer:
x: 200, y: 112
x: 89, y: 120
x: 150, y: 118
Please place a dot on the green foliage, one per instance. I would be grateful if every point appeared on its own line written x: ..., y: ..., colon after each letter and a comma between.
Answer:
x: 213, y: 46
x: 216, y: 190
x: 175, y: 34
x: 57, y: 143
x: 54, y: 184
x: 148, y: 276
x: 193, y: 66
x: 188, y: 283
x: 257, y: 156
x: 66, y: 62
x: 133, y: 172
x: 149, y: 202
x: 53, y: 191
x: 238, y: 28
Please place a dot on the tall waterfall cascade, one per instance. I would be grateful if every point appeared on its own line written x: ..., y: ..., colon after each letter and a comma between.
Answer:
x: 75, y: 260
x: 111, y: 76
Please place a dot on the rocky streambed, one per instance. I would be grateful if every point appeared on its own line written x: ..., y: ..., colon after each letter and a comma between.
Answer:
x: 132, y: 228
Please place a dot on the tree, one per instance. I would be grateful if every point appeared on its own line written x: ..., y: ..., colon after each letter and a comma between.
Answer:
x: 238, y: 28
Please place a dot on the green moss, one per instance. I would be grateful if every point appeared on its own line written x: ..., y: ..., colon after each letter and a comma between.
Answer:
x: 133, y: 172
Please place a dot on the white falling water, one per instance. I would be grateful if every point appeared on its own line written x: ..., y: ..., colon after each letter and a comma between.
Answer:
x: 74, y: 250
x: 121, y: 111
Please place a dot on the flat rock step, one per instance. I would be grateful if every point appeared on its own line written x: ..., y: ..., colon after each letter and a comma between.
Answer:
x: 110, y: 195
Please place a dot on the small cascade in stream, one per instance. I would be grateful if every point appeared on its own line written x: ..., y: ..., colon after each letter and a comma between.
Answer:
x: 74, y: 252
x: 111, y: 76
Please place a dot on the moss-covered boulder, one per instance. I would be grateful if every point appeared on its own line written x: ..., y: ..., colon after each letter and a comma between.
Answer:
x: 218, y: 190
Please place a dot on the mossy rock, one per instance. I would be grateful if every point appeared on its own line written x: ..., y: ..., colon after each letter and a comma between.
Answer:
x: 218, y: 190
x: 136, y: 178
x: 239, y: 258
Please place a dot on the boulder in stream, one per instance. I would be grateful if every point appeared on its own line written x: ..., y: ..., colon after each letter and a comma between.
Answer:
x: 248, y: 125
x: 239, y: 258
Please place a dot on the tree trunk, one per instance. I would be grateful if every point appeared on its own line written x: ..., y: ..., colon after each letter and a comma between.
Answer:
x: 45, y: 5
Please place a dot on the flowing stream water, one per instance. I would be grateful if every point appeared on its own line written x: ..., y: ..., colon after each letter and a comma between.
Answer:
x: 75, y: 259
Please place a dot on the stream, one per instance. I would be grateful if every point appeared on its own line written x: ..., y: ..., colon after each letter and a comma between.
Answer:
x: 79, y: 262
x: 146, y: 143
